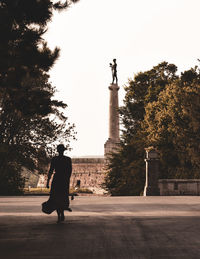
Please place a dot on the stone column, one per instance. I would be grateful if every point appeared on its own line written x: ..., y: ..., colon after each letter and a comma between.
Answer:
x: 152, y: 172
x: 113, y: 140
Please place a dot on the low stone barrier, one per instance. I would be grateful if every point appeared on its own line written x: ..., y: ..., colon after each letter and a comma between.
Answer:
x: 179, y: 186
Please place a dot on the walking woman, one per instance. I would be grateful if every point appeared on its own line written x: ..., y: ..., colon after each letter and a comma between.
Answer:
x: 59, y: 194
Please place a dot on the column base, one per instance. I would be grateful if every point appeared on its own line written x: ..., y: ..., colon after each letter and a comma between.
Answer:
x: 151, y: 191
x: 110, y: 146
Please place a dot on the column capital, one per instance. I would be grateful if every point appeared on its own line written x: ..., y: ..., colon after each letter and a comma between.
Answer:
x: 113, y: 87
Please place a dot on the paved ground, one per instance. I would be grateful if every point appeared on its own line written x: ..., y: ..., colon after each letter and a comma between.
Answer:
x: 101, y: 228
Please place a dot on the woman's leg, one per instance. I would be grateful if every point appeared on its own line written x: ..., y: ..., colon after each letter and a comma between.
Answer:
x: 62, y: 218
x: 59, y: 215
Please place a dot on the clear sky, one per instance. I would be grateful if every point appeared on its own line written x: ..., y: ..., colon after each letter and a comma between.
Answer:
x: 138, y: 33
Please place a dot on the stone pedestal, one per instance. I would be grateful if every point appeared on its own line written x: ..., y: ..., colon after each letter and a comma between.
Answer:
x: 113, y: 140
x: 110, y: 146
x: 152, y: 173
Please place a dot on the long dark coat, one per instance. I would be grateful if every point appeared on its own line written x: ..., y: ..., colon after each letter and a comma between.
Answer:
x: 59, y: 194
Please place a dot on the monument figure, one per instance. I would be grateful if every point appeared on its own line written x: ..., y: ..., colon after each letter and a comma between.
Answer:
x: 114, y: 71
x: 112, y: 143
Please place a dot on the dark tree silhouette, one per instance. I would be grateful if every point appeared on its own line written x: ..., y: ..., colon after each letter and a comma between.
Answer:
x: 30, y: 119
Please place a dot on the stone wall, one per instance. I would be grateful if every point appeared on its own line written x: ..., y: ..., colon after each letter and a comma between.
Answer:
x: 179, y: 186
x: 87, y: 173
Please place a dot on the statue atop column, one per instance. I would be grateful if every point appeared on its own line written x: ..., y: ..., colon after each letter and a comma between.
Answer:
x: 112, y: 144
x: 114, y: 71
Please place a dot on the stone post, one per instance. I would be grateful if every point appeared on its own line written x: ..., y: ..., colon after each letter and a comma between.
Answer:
x: 113, y: 140
x: 152, y: 172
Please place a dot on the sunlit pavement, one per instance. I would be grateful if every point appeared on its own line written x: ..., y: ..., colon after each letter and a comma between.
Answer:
x: 102, y: 227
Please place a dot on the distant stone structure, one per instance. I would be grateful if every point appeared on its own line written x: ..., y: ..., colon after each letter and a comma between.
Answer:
x: 174, y: 187
x: 87, y: 167
x: 87, y: 173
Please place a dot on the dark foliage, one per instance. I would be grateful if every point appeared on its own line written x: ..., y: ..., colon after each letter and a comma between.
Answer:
x: 30, y: 119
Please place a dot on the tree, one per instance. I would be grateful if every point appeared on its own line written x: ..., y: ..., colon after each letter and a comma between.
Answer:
x: 144, y: 88
x: 30, y: 119
x: 172, y: 123
x: 125, y: 174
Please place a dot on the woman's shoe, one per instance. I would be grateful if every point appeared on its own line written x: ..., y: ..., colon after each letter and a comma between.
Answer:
x: 62, y: 218
x: 59, y: 219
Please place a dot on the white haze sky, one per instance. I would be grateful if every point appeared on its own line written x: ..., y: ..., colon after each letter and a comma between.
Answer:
x: 138, y: 33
